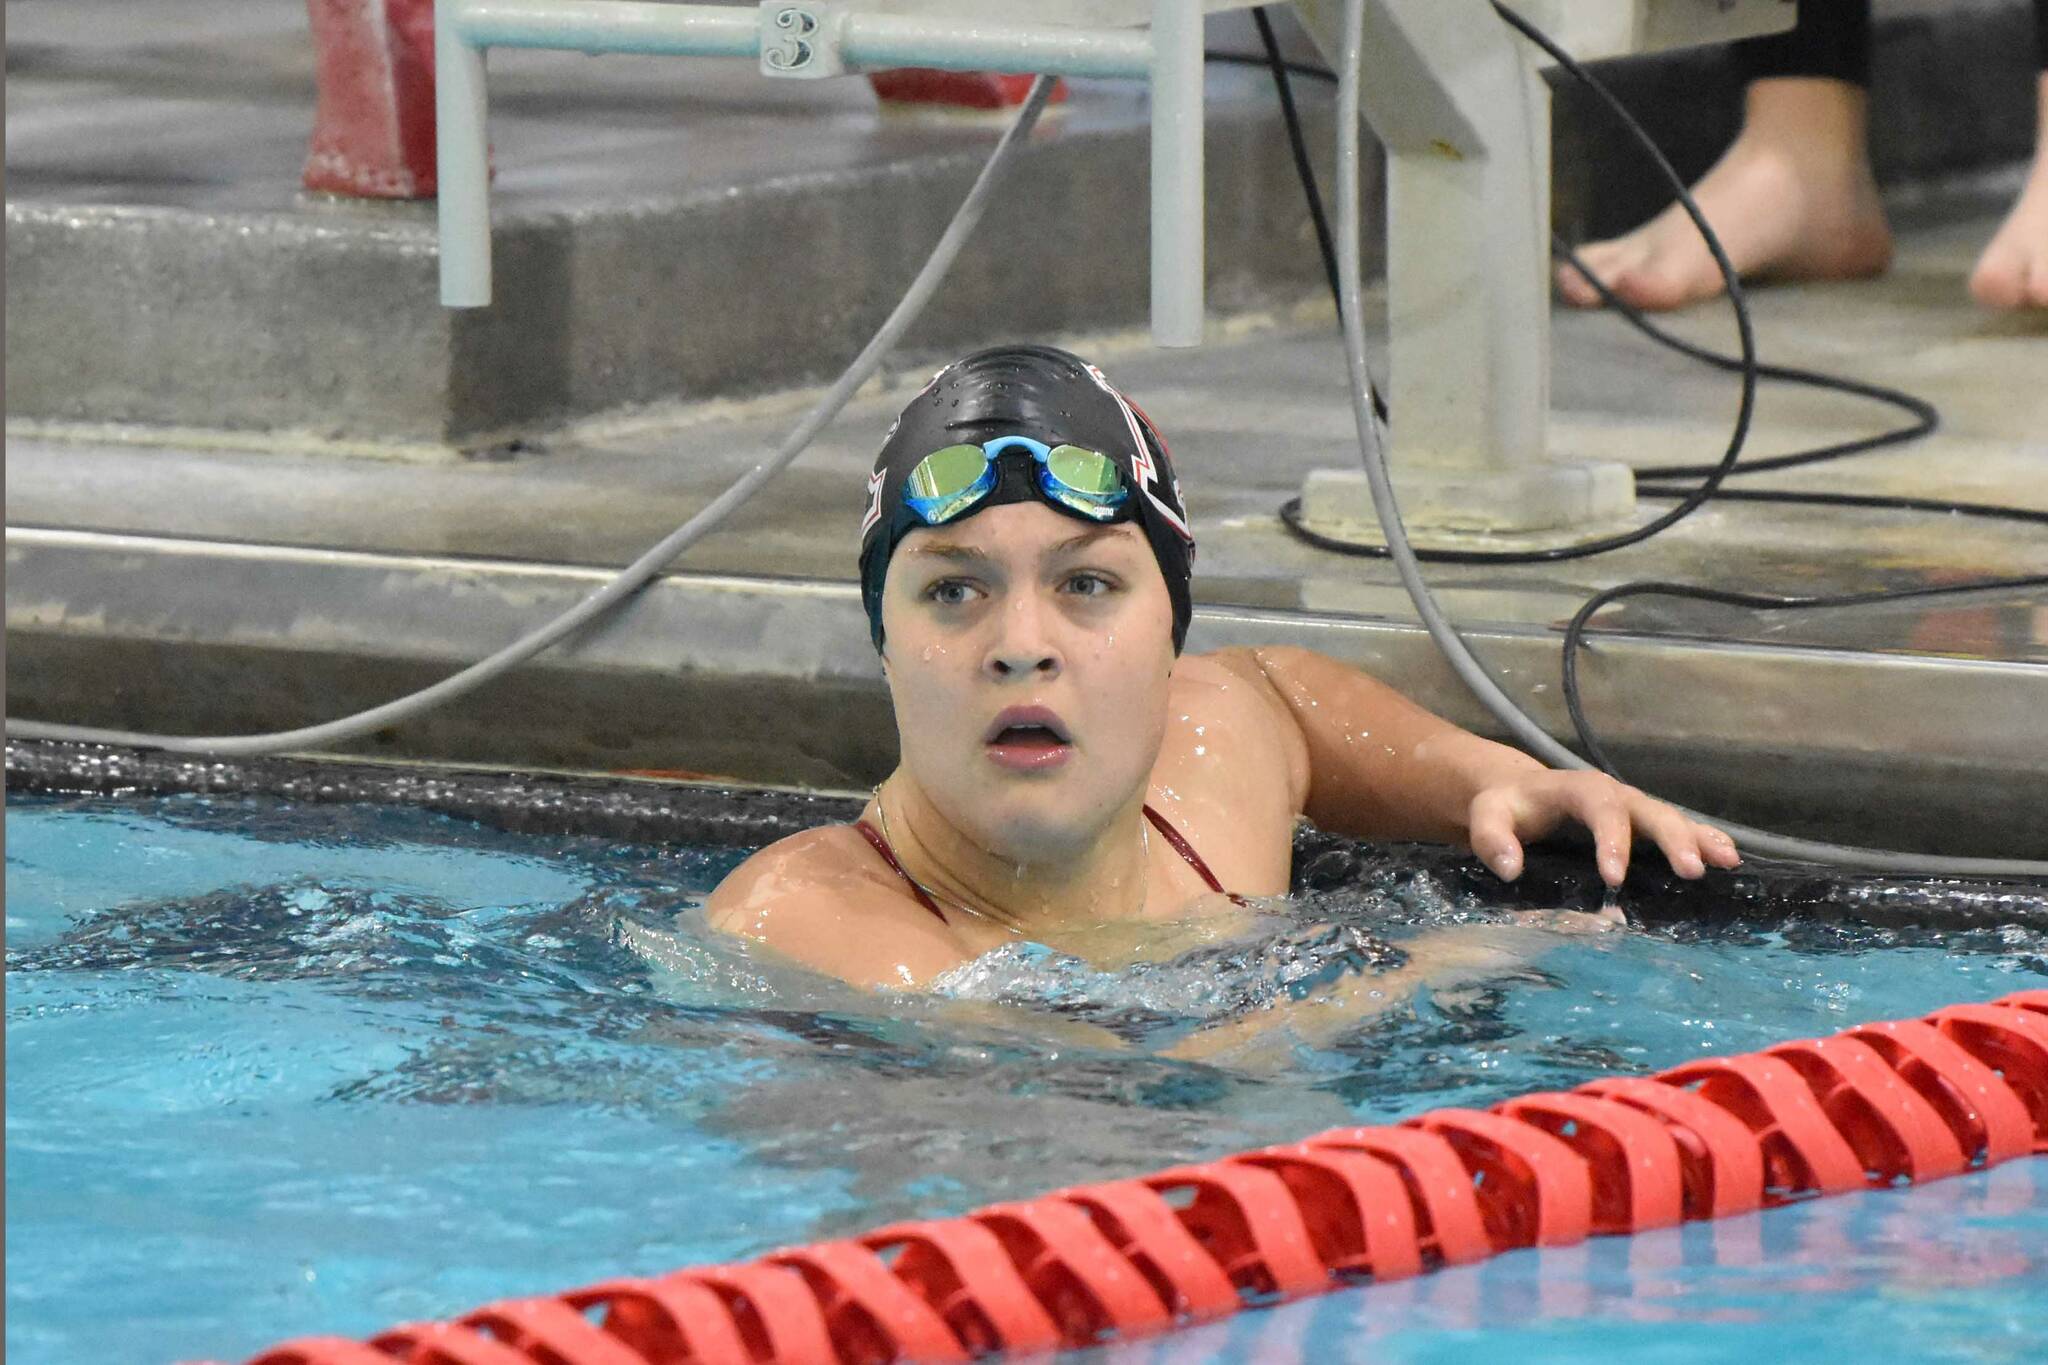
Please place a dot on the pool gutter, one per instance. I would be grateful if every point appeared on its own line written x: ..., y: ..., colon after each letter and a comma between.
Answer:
x: 772, y: 680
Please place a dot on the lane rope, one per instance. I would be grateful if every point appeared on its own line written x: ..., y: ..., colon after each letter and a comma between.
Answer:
x: 1874, y: 1106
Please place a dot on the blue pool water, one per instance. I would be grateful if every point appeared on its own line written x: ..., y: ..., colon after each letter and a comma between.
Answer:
x: 279, y: 1071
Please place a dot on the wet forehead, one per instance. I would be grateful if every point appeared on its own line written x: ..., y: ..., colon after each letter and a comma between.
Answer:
x: 1021, y: 534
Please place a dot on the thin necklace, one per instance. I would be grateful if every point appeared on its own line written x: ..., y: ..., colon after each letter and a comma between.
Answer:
x: 882, y: 810
x: 882, y: 813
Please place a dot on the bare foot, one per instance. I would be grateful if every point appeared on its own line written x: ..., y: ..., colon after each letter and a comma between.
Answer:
x: 1793, y: 198
x: 2013, y: 271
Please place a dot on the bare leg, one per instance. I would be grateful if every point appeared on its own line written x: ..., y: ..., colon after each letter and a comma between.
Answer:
x: 2013, y: 271
x: 1793, y: 198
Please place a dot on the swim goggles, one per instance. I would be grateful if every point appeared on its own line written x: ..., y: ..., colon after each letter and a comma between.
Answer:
x: 949, y: 482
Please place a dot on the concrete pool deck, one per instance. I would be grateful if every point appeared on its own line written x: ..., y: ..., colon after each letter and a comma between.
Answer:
x: 157, y: 582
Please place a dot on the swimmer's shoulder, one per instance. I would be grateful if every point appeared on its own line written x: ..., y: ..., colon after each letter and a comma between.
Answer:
x: 1229, y: 696
x: 1227, y: 682
x: 825, y: 899
x: 812, y: 868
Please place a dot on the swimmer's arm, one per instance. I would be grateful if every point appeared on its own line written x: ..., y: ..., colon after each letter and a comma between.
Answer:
x: 1381, y: 767
x: 1264, y: 1036
x: 1037, y: 1026
x: 1445, y: 958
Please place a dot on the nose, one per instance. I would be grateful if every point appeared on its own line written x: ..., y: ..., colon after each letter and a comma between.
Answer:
x: 1023, y: 644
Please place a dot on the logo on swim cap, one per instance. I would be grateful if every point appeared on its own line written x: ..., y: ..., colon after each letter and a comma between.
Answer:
x: 1142, y: 464
x: 874, y: 512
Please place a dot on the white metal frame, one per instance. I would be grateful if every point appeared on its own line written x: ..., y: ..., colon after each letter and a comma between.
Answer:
x: 1453, y: 97
x: 809, y: 39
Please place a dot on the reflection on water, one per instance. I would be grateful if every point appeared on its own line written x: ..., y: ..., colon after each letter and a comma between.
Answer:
x: 255, y: 1054
x: 1952, y: 1270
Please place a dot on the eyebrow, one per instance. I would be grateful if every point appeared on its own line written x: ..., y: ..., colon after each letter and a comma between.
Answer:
x: 1087, y: 537
x: 948, y: 550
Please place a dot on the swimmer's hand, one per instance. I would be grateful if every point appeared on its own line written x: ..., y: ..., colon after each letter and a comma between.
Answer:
x: 1369, y: 762
x: 1528, y: 804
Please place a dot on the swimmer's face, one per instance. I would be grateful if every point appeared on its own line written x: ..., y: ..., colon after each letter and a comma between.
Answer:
x: 1028, y: 655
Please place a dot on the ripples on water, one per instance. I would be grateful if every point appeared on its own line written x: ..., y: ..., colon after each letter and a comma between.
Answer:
x: 274, y: 1070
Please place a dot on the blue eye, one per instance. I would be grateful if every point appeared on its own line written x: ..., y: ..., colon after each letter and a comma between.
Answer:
x: 1090, y: 585
x: 949, y: 592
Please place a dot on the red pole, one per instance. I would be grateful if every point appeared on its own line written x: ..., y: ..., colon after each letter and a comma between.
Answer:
x: 373, y: 126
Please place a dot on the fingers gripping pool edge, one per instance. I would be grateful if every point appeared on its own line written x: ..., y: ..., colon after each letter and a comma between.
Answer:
x: 1876, y: 1105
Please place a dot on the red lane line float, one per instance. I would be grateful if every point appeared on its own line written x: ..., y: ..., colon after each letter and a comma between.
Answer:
x: 1721, y: 1164
x: 322, y: 1351
x: 1356, y: 1208
x: 1876, y: 1105
x: 1144, y: 1228
x: 957, y: 89
x: 1088, y: 1286
x: 1249, y: 1224
x: 960, y: 1267
x: 871, y: 1314
x: 1449, y: 1228
x: 1977, y: 1105
x: 777, y: 1317
x: 1637, y: 1173
x: 665, y: 1319
x: 1895, y: 1132
x: 2013, y: 1041
x: 543, y: 1329
x: 1803, y: 1153
x: 1534, y: 1190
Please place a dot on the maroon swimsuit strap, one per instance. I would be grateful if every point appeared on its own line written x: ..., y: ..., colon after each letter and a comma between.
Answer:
x: 1186, y: 850
x: 874, y: 836
x: 1159, y: 822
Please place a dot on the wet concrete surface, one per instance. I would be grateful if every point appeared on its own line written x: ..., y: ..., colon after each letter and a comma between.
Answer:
x: 665, y: 229
x: 1248, y: 417
x: 683, y: 230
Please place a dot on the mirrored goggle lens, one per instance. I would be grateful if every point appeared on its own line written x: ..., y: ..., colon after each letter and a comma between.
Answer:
x: 1084, y: 480
x: 947, y: 482
x: 1085, y: 472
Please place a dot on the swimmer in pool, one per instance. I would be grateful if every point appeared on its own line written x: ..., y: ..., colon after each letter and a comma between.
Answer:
x: 1025, y: 564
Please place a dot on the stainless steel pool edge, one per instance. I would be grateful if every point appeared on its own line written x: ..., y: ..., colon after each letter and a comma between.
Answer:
x: 773, y: 680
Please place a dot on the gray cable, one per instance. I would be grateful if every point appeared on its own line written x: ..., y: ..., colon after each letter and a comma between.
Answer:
x: 1469, y: 670
x: 637, y: 574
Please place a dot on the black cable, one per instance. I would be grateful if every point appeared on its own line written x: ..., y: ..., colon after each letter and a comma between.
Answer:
x: 1290, y: 514
x: 1298, y: 143
x: 1925, y: 417
x: 1290, y: 517
x: 1574, y: 633
x: 1294, y: 68
x: 1884, y: 502
x: 1697, y: 497
x: 1304, y: 168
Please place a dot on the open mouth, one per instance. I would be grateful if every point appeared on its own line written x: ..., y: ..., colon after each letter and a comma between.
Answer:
x: 1028, y: 737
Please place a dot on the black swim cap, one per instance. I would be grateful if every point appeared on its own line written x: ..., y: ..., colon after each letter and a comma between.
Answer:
x: 1051, y: 396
